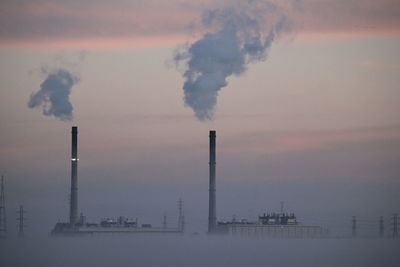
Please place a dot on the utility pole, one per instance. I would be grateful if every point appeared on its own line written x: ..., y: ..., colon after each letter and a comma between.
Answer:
x: 381, y: 227
x: 354, y: 226
x: 165, y: 220
x: 21, y: 219
x: 3, y: 221
x: 395, y: 225
x: 181, y: 218
x: 183, y: 221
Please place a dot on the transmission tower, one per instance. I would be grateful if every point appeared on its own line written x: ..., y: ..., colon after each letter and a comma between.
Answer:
x: 3, y: 221
x: 21, y: 219
x: 183, y: 221
x: 395, y: 225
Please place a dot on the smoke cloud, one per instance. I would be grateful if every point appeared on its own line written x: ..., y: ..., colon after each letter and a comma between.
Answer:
x: 53, y: 96
x: 235, y: 37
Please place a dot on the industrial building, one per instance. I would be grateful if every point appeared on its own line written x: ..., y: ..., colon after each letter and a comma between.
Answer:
x: 272, y: 225
x: 268, y: 225
x: 78, y: 225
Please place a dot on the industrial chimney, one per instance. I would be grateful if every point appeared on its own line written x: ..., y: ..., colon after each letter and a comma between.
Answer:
x: 73, y: 212
x: 212, y: 209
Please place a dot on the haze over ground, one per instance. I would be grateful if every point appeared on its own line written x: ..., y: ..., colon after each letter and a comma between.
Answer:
x: 314, y: 125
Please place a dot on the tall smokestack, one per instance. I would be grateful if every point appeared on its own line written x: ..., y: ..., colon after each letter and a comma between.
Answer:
x: 212, y: 209
x: 73, y: 212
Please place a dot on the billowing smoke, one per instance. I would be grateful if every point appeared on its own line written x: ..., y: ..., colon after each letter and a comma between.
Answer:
x: 235, y: 37
x: 53, y: 96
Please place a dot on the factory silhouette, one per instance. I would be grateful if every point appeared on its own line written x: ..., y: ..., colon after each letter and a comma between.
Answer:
x: 270, y: 225
x: 78, y: 225
x: 275, y: 224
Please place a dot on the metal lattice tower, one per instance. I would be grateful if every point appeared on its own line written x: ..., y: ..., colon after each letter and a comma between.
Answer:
x: 183, y: 222
x: 3, y: 221
x: 21, y: 221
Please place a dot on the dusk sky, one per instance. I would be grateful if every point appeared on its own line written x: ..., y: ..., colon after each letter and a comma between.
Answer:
x: 312, y: 121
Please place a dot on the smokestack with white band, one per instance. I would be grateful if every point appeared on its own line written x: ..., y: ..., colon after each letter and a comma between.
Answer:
x: 73, y: 212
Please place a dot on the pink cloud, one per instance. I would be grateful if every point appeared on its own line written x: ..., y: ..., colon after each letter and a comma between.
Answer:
x: 349, y: 16
x: 379, y: 65
x: 281, y: 142
x: 39, y: 22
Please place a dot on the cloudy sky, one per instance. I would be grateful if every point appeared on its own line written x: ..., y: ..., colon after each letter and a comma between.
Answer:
x: 314, y: 122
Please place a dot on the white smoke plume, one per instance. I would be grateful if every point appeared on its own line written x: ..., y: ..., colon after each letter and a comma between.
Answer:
x: 235, y: 37
x: 61, y: 76
x: 53, y: 96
